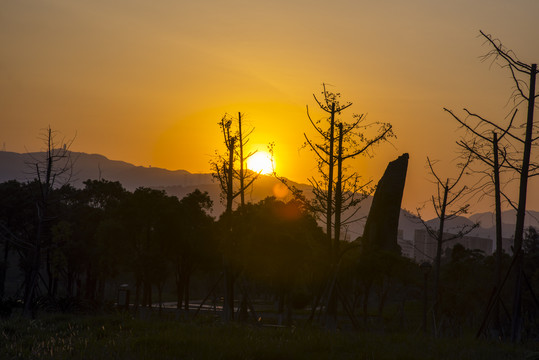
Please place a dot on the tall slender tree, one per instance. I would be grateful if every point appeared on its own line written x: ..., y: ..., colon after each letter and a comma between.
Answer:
x: 50, y: 171
x: 224, y: 172
x: 491, y: 153
x: 448, y: 204
x: 524, y: 75
x: 338, y: 142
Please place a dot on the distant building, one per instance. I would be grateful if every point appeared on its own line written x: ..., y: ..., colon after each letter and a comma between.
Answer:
x: 407, y: 246
x: 425, y: 246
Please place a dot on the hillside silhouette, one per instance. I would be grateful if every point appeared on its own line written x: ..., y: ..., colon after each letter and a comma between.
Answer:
x: 16, y: 166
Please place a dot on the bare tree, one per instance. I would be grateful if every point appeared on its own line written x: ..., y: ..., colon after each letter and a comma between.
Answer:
x: 51, y: 171
x: 492, y: 154
x: 447, y: 204
x: 244, y: 176
x: 520, y: 72
x: 338, y: 142
x: 224, y: 171
x: 489, y: 151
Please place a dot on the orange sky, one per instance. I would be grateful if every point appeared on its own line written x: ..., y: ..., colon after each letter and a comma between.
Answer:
x: 147, y: 82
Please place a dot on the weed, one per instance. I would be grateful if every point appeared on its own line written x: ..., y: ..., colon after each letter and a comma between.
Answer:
x: 122, y: 337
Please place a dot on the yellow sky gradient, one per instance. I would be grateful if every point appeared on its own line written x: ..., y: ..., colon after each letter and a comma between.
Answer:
x: 147, y: 82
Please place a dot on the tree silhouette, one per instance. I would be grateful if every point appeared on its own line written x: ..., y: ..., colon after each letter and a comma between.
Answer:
x: 55, y: 168
x: 339, y: 141
x: 224, y: 172
x: 193, y: 239
x: 282, y: 250
x: 148, y: 217
x: 16, y: 224
x: 447, y: 204
x: 492, y: 153
x: 524, y: 75
x: 101, y: 230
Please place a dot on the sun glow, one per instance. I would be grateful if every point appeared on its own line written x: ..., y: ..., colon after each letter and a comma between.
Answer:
x: 260, y: 162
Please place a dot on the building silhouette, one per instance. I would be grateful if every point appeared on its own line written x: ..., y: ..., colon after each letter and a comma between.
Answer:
x: 423, y: 246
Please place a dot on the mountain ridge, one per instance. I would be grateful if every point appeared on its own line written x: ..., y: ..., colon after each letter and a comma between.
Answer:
x: 15, y: 166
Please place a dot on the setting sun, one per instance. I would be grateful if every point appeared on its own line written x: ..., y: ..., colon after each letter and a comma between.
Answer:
x: 260, y: 162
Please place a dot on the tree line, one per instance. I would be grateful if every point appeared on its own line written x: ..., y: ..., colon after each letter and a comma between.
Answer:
x: 94, y: 234
x: 100, y: 233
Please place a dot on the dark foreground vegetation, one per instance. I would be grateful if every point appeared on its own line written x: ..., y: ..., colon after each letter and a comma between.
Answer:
x: 171, y: 250
x: 122, y: 337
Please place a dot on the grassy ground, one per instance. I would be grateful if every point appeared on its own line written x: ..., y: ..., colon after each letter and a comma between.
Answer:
x: 121, y: 337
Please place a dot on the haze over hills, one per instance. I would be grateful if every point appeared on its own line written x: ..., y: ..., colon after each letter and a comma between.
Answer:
x: 17, y: 166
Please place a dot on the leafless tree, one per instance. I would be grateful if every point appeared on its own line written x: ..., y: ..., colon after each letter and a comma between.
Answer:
x: 336, y: 143
x: 224, y: 171
x: 244, y: 176
x: 448, y: 204
x: 484, y: 144
x: 340, y: 141
x: 54, y: 169
x: 524, y: 78
x: 493, y: 154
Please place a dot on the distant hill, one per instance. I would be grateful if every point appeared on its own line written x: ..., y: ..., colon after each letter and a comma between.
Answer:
x: 15, y: 166
x: 509, y: 217
x: 179, y: 183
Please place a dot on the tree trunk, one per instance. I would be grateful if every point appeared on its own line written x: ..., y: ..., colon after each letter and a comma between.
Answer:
x: 137, y: 293
x: 70, y: 280
x: 499, y: 244
x: 160, y: 296
x: 368, y: 286
x: 331, y: 302
x: 186, y: 290
x: 329, y: 208
x: 42, y: 209
x: 90, y: 285
x: 280, y: 308
x: 149, y: 294
x: 101, y: 283
x: 438, y: 260
x: 228, y: 307
x: 3, y: 269
x: 144, y: 294
x: 33, y: 273
x: 242, y: 175
x: 229, y: 295
x: 179, y: 286
x: 521, y: 210
x: 288, y: 309
x: 338, y: 197
x: 50, y: 275
x: 382, y: 297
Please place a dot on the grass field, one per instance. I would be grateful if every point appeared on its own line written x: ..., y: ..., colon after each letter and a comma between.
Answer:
x: 122, y: 337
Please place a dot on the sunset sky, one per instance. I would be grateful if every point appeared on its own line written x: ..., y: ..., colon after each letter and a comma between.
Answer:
x: 147, y: 82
